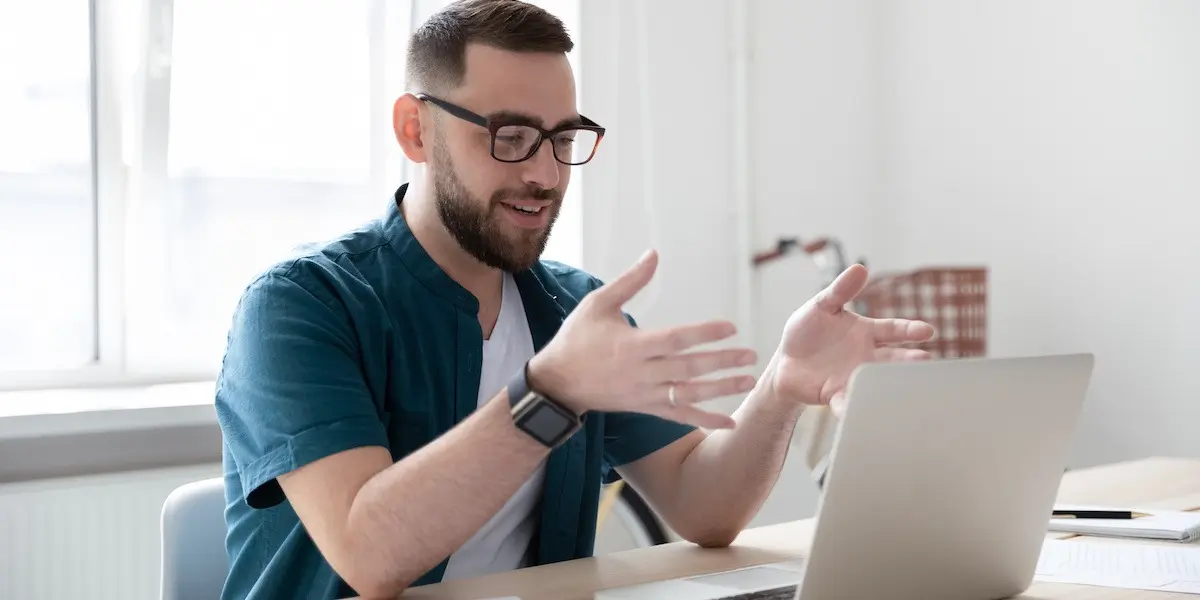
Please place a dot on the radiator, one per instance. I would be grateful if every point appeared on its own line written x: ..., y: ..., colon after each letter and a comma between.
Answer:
x: 94, y: 537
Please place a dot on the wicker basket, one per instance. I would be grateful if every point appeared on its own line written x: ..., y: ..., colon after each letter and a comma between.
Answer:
x: 953, y: 300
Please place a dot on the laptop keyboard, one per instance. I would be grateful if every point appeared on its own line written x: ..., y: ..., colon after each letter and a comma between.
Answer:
x: 787, y: 592
x: 779, y: 581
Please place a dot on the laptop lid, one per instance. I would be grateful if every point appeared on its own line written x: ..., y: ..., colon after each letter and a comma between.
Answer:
x: 942, y: 477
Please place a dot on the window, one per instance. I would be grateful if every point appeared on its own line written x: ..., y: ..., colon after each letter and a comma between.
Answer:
x: 276, y: 136
x: 156, y: 155
x: 47, y: 319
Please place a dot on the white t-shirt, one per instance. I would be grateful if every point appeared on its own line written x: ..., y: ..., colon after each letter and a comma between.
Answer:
x: 501, y: 544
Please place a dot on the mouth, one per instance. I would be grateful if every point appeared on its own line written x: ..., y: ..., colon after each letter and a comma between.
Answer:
x: 527, y: 216
x: 529, y: 210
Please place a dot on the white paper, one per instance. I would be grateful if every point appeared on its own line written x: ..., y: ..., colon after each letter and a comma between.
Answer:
x: 1121, y: 565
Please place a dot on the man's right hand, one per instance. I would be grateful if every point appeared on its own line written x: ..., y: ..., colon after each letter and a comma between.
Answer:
x: 599, y: 362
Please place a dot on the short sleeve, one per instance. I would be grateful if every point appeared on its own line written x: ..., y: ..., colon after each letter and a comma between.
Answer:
x: 291, y: 389
x: 630, y: 436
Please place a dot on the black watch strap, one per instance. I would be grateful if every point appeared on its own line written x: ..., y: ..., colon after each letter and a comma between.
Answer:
x: 543, y: 419
x: 518, y: 386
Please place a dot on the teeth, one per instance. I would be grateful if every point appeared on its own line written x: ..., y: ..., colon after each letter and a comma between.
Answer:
x: 533, y: 210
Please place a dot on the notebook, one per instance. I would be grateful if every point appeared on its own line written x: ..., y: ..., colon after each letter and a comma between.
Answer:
x: 1172, y: 525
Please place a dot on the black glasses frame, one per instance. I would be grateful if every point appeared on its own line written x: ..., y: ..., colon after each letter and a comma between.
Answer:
x: 494, y: 126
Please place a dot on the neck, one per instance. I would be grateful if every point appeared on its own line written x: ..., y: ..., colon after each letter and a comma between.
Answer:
x: 482, y: 281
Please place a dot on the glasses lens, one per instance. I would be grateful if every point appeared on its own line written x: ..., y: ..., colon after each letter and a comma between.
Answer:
x: 575, y: 146
x: 513, y: 142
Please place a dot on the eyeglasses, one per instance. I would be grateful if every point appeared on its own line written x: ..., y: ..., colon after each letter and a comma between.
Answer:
x: 574, y: 144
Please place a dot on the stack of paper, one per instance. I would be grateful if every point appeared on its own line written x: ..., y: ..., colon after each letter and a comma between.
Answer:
x: 1160, y: 525
x: 1120, y: 565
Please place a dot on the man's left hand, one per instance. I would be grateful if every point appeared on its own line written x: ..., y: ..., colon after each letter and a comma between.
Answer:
x: 823, y: 343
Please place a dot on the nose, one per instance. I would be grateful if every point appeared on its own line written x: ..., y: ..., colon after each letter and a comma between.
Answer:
x: 541, y: 169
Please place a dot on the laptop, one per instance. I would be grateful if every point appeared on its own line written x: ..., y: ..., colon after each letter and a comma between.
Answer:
x: 941, y: 482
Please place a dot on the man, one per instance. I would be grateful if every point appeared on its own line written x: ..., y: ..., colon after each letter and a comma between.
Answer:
x: 424, y: 399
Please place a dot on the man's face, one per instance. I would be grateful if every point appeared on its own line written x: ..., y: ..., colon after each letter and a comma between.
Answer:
x: 502, y: 213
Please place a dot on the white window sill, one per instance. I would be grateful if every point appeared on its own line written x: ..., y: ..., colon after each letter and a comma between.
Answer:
x: 32, y: 414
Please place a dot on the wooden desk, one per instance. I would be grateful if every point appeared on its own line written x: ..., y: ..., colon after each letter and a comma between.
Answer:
x: 1155, y: 482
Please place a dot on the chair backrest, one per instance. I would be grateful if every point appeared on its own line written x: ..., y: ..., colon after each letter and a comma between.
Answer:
x: 194, y: 563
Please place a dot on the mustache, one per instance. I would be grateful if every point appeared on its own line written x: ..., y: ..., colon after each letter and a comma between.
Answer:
x: 535, y: 193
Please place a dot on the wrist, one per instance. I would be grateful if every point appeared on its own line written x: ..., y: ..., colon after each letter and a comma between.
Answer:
x: 784, y: 388
x: 545, y: 378
x: 537, y: 414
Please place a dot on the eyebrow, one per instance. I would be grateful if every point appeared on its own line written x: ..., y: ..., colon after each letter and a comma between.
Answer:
x: 516, y: 118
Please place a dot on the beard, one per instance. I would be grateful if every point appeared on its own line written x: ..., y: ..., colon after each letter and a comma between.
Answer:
x: 478, y: 227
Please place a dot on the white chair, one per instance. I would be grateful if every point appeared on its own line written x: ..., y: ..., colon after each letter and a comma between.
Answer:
x: 194, y: 563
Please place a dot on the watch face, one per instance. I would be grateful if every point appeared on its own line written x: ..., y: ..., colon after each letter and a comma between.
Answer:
x: 545, y: 423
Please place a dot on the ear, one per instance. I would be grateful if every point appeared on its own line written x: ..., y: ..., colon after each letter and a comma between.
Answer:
x: 406, y: 122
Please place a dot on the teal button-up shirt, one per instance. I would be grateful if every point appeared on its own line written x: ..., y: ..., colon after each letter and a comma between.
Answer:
x: 366, y: 341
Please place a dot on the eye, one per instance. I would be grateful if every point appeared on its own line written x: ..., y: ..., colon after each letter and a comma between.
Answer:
x: 513, y: 139
x: 516, y: 136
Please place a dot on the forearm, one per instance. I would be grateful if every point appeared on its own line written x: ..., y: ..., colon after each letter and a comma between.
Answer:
x: 727, y: 477
x: 412, y: 515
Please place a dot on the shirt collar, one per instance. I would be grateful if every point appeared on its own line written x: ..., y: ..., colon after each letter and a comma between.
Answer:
x: 418, y: 261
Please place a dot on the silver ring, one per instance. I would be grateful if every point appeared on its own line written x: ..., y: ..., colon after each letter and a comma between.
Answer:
x: 671, y: 396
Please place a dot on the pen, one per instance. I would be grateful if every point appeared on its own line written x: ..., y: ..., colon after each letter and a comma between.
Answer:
x: 1097, y: 514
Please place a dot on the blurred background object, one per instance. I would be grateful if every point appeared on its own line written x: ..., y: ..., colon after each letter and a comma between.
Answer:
x: 953, y: 300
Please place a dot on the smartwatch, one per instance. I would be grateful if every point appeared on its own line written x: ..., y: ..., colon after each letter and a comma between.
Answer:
x: 540, y: 417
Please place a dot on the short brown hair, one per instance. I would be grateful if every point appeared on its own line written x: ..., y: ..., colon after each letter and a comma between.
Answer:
x: 437, y: 50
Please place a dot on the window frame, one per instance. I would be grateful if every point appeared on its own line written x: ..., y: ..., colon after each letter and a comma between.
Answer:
x: 129, y: 161
x: 125, y: 169
x: 108, y: 185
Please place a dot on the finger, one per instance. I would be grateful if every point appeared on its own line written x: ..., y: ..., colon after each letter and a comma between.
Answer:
x: 673, y: 340
x: 845, y: 288
x: 837, y: 404
x: 900, y: 354
x: 681, y: 367
x: 898, y: 331
x: 699, y: 390
x: 699, y: 418
x: 622, y: 289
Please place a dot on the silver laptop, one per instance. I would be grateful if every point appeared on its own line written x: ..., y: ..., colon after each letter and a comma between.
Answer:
x: 941, y: 482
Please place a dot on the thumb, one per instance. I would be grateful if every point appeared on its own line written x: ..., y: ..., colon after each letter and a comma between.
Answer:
x: 845, y: 288
x: 837, y: 404
x: 622, y: 289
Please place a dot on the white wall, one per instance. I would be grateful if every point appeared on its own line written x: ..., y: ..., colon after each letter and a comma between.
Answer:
x: 813, y: 120
x: 687, y: 214
x: 1058, y: 143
